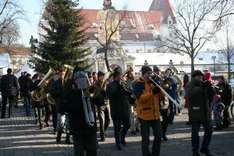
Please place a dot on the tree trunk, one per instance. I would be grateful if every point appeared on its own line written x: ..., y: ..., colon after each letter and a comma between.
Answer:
x: 192, y: 64
x: 106, y: 59
x: 229, y: 69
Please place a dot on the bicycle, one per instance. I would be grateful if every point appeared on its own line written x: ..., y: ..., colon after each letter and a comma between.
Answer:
x: 231, y: 110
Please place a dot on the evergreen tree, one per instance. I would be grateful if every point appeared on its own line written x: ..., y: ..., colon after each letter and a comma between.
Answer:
x: 63, y: 39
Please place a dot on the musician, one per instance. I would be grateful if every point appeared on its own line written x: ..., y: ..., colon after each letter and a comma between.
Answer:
x: 120, y: 108
x: 84, y: 134
x: 226, y: 98
x: 57, y: 92
x: 164, y: 105
x: 200, y: 95
x: 99, y: 96
x: 129, y: 78
x: 148, y: 101
x: 37, y: 105
x: 172, y: 91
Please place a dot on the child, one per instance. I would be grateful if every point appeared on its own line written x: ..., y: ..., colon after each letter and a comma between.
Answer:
x: 218, y: 108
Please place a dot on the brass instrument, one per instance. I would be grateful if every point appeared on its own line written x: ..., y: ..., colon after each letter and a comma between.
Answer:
x: 82, y: 81
x: 39, y: 95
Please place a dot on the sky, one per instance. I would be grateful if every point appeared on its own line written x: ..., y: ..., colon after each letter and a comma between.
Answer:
x: 33, y: 10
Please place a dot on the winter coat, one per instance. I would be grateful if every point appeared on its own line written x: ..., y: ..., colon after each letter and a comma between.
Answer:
x: 119, y: 102
x: 226, y: 93
x: 200, y: 96
x: 148, y: 103
x: 26, y: 87
x: 75, y: 110
x: 99, y: 94
x: 57, y: 90
x: 9, y: 85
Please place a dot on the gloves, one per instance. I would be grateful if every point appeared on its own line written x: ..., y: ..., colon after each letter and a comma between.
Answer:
x: 155, y: 90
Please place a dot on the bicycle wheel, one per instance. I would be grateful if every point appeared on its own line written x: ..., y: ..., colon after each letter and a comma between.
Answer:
x: 231, y: 109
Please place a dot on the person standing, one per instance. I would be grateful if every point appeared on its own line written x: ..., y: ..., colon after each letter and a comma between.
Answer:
x: 172, y: 91
x: 102, y: 108
x: 120, y: 108
x: 226, y: 98
x: 200, y: 95
x: 57, y: 92
x: 26, y: 89
x: 10, y: 91
x: 83, y: 132
x: 148, y: 111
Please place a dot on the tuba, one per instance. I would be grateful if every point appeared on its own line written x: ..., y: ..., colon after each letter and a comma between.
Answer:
x: 83, y: 84
x: 39, y: 95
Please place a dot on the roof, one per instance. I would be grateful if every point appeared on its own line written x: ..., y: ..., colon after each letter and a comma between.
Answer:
x: 165, y: 7
x: 17, y: 51
x: 138, y: 25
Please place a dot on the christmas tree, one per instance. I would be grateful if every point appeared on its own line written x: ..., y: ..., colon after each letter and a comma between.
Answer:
x: 62, y: 38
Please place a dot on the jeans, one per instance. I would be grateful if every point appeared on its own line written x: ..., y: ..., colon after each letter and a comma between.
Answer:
x: 27, y: 105
x: 104, y: 119
x: 121, y: 126
x: 11, y: 100
x: 207, y: 125
x: 145, y: 134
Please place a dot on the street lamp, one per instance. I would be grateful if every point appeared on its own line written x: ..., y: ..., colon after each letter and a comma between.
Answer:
x: 214, y: 58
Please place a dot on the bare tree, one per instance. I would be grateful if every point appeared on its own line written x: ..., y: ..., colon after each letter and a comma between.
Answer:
x: 226, y: 9
x: 225, y: 44
x: 194, y: 27
x: 108, y: 35
x: 10, y: 35
x: 10, y: 12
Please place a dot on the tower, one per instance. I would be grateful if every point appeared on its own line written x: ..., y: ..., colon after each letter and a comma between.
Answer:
x: 166, y: 9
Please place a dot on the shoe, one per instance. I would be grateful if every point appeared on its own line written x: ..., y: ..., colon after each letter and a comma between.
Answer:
x: 206, y: 152
x: 58, y: 138
x: 196, y: 154
x: 118, y: 147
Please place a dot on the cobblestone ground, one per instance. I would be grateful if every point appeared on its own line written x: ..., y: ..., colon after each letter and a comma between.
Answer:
x: 20, y: 136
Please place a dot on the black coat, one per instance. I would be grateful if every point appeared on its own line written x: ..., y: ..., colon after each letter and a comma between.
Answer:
x: 26, y: 87
x: 75, y: 110
x: 200, y: 95
x: 9, y: 85
x: 226, y: 93
x: 57, y: 91
x: 119, y: 102
x: 99, y: 94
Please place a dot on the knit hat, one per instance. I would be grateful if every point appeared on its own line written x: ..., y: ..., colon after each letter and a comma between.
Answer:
x: 145, y: 69
x: 197, y: 73
x: 99, y: 74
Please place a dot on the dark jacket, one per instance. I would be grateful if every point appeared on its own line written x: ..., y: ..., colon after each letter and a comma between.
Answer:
x: 75, y: 110
x: 200, y: 95
x: 118, y: 97
x: 26, y: 87
x: 226, y: 93
x: 57, y: 90
x: 9, y: 85
x: 99, y: 94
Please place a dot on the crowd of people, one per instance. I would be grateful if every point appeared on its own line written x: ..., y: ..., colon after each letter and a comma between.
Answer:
x: 85, y: 103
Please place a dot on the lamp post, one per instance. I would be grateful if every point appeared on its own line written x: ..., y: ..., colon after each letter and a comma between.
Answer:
x: 214, y: 58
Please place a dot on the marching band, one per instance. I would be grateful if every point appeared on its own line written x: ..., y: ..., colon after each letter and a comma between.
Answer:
x: 81, y: 102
